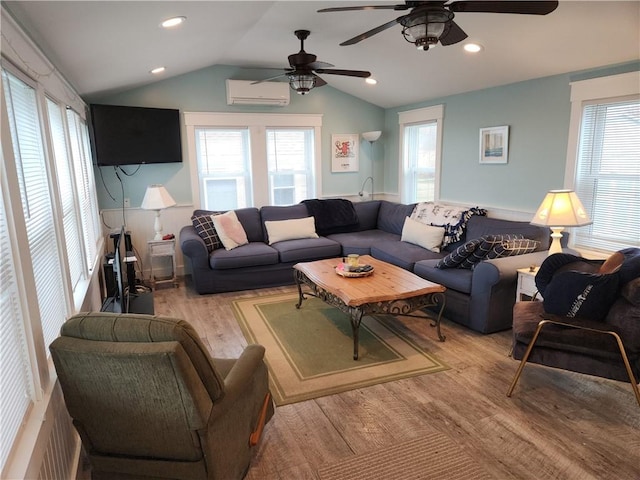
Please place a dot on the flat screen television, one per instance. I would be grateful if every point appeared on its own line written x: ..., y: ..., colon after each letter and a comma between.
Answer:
x: 122, y: 135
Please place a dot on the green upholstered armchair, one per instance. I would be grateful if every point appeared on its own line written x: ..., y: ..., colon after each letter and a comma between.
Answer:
x: 149, y: 402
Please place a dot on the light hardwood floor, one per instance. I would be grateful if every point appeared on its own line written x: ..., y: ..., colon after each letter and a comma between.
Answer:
x: 557, y: 424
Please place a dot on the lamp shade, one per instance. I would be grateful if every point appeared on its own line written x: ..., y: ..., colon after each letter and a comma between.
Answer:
x: 372, y: 136
x: 561, y: 208
x: 156, y: 198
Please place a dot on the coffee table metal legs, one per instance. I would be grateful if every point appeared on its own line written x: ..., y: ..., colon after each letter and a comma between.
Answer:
x: 392, y: 307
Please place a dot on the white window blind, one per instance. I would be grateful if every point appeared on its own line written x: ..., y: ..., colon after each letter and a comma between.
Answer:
x: 608, y: 175
x: 85, y: 185
x: 16, y: 387
x: 223, y: 157
x: 36, y: 203
x: 67, y: 197
x: 420, y: 161
x: 290, y: 159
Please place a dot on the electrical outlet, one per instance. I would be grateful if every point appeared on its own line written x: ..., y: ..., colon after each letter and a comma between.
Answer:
x: 127, y: 203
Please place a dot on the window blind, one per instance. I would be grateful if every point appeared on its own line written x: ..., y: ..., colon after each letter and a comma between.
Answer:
x: 420, y: 161
x: 70, y: 218
x: 16, y: 384
x: 608, y: 175
x: 36, y: 203
x: 290, y: 160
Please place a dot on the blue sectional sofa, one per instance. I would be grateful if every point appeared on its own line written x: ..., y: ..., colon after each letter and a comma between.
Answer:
x: 481, y: 298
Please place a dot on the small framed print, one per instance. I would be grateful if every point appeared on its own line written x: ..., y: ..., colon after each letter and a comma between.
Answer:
x: 344, y: 152
x: 494, y: 144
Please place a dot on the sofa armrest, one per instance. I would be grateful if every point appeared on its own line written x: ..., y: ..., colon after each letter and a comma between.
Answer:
x: 489, y: 273
x: 193, y: 246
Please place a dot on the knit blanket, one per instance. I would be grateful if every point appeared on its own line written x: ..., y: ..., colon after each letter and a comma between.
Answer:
x: 332, y: 215
x: 452, y: 217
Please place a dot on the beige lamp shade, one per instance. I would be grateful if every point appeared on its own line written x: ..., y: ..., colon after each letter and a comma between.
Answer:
x: 559, y: 209
x: 157, y: 198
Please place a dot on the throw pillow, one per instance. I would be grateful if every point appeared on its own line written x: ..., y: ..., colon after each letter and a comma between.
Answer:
x: 453, y: 218
x: 425, y: 236
x: 204, y: 227
x: 279, y: 230
x: 489, y: 242
x: 455, y: 258
x: 230, y: 230
x: 581, y: 294
x: 511, y: 248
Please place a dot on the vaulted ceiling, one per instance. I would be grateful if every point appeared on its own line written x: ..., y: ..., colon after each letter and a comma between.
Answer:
x: 109, y: 46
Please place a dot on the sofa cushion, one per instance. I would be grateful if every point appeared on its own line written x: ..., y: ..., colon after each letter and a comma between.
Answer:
x: 425, y: 236
x: 402, y: 254
x: 250, y: 255
x: 361, y: 242
x: 204, y: 227
x: 391, y: 216
x: 307, y: 249
x: 367, y: 214
x: 625, y: 318
x: 230, y: 230
x: 455, y: 279
x: 280, y: 230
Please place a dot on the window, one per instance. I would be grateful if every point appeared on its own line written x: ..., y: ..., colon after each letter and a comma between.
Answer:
x: 224, y: 167
x: 290, y: 161
x: 421, y: 137
x: 606, y: 163
x: 243, y: 160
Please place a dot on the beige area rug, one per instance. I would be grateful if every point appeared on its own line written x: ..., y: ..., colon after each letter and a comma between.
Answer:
x: 309, y: 351
x: 433, y: 457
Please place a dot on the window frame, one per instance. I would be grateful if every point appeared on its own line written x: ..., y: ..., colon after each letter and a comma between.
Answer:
x: 433, y: 114
x: 257, y: 123
x: 607, y: 89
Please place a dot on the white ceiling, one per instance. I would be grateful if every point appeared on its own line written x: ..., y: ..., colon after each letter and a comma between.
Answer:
x: 105, y: 46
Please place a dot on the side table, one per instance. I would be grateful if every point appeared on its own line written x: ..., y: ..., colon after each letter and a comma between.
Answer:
x: 526, y: 290
x: 162, y: 249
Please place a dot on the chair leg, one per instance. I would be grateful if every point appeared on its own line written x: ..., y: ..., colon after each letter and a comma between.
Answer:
x: 625, y: 359
x: 254, y: 438
x: 526, y: 356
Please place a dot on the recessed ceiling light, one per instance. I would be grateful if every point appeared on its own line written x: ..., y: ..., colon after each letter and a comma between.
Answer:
x: 473, y: 47
x: 173, y: 22
x: 157, y: 70
x: 371, y: 81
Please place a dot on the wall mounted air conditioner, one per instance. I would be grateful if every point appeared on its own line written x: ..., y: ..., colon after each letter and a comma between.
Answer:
x: 245, y: 92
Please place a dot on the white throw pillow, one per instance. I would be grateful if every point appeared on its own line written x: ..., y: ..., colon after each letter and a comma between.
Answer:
x: 230, y: 230
x: 425, y: 236
x: 279, y: 230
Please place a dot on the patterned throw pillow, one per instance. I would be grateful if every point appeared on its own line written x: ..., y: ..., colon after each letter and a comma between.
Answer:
x: 511, y: 248
x: 489, y: 242
x: 455, y: 258
x: 207, y: 231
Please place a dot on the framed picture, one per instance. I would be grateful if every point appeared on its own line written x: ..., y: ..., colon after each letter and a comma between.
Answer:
x: 344, y: 152
x: 494, y: 144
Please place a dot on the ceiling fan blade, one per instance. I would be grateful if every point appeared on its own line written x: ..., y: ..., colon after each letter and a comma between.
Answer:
x: 508, y: 6
x: 371, y: 32
x: 318, y: 64
x: 453, y: 35
x: 364, y: 7
x: 319, y: 82
x: 348, y: 73
x: 270, y: 78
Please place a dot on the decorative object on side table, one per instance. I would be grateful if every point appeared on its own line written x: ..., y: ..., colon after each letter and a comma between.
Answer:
x: 559, y: 209
x: 157, y: 198
x: 494, y: 144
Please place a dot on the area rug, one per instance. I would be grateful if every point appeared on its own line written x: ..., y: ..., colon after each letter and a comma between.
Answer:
x: 309, y: 351
x: 432, y: 457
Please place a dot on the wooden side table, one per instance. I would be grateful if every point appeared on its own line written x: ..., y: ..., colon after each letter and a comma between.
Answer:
x: 526, y: 290
x: 163, y: 249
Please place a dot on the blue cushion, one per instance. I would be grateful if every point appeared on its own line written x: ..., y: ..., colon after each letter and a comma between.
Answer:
x: 250, y: 255
x: 307, y: 249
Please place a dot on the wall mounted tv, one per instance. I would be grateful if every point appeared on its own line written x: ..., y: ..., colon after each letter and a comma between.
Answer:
x: 134, y: 135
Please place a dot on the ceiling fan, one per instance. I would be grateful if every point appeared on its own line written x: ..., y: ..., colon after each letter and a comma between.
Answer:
x: 430, y: 22
x: 304, y: 70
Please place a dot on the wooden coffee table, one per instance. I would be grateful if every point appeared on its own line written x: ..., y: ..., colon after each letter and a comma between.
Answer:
x: 389, y: 290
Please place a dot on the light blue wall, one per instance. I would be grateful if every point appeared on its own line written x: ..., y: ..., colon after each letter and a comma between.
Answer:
x: 537, y: 113
x: 205, y: 91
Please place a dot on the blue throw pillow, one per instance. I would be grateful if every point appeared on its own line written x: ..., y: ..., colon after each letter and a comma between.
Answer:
x: 455, y: 258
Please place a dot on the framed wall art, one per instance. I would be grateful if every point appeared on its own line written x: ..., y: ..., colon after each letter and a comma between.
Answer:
x: 344, y: 152
x: 494, y: 144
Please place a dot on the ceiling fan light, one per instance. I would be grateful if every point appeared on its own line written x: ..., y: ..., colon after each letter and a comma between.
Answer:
x: 302, y: 84
x: 425, y: 29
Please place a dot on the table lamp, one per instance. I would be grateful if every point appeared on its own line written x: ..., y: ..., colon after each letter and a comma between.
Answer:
x: 560, y: 209
x: 157, y: 198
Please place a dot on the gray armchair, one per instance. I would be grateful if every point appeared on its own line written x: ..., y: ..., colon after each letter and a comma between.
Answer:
x: 149, y: 402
